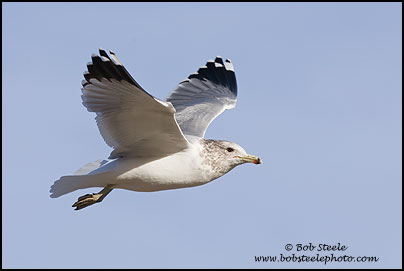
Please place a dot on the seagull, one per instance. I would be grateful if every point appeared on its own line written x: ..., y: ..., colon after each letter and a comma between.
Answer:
x: 157, y: 145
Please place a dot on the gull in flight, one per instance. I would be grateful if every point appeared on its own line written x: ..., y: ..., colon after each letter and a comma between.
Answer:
x: 157, y: 145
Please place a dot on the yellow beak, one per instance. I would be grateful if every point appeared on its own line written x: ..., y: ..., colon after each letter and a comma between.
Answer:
x: 250, y: 159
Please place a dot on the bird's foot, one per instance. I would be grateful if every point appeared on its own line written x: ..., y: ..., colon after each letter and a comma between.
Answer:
x: 87, y: 200
x: 90, y: 199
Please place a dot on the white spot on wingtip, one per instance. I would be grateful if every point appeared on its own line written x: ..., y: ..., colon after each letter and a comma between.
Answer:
x: 228, y: 66
x: 103, y: 58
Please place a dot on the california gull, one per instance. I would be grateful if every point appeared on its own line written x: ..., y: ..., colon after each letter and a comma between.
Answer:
x: 157, y: 145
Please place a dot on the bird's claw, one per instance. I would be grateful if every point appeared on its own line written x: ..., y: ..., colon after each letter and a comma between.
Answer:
x: 86, y: 200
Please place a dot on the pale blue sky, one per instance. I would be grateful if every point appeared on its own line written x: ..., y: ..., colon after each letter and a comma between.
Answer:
x: 320, y: 101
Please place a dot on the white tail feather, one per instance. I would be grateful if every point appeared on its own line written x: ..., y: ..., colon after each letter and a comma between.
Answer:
x: 85, y: 177
x: 67, y: 184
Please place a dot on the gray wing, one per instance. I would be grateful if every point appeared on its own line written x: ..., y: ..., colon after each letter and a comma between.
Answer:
x: 130, y: 120
x: 204, y: 95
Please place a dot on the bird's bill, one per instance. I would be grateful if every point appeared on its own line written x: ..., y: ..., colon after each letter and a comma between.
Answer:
x: 250, y: 159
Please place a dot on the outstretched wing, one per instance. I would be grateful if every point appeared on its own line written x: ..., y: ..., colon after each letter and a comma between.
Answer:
x: 130, y: 120
x: 204, y: 95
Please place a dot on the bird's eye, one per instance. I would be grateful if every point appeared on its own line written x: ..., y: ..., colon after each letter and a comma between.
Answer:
x: 230, y: 149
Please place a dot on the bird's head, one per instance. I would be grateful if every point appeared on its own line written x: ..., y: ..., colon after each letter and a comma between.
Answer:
x: 224, y: 155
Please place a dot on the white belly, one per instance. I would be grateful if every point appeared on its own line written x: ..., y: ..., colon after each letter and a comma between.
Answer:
x: 147, y: 174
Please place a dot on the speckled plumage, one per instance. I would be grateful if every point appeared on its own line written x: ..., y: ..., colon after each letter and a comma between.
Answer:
x: 157, y: 145
x: 213, y: 154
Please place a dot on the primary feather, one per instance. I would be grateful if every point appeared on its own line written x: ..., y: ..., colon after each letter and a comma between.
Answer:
x: 129, y: 119
x: 204, y: 95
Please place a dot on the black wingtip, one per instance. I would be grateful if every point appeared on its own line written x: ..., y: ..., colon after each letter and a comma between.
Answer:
x: 219, y: 72
x: 103, y: 53
x: 219, y: 59
x: 104, y: 66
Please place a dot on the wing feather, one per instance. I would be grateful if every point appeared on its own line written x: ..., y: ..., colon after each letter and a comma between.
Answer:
x: 131, y: 121
x: 204, y: 95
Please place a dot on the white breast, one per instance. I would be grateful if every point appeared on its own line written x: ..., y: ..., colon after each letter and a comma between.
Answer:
x: 182, y: 169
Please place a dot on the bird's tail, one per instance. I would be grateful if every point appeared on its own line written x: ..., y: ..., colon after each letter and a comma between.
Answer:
x: 67, y: 184
x: 85, y: 177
